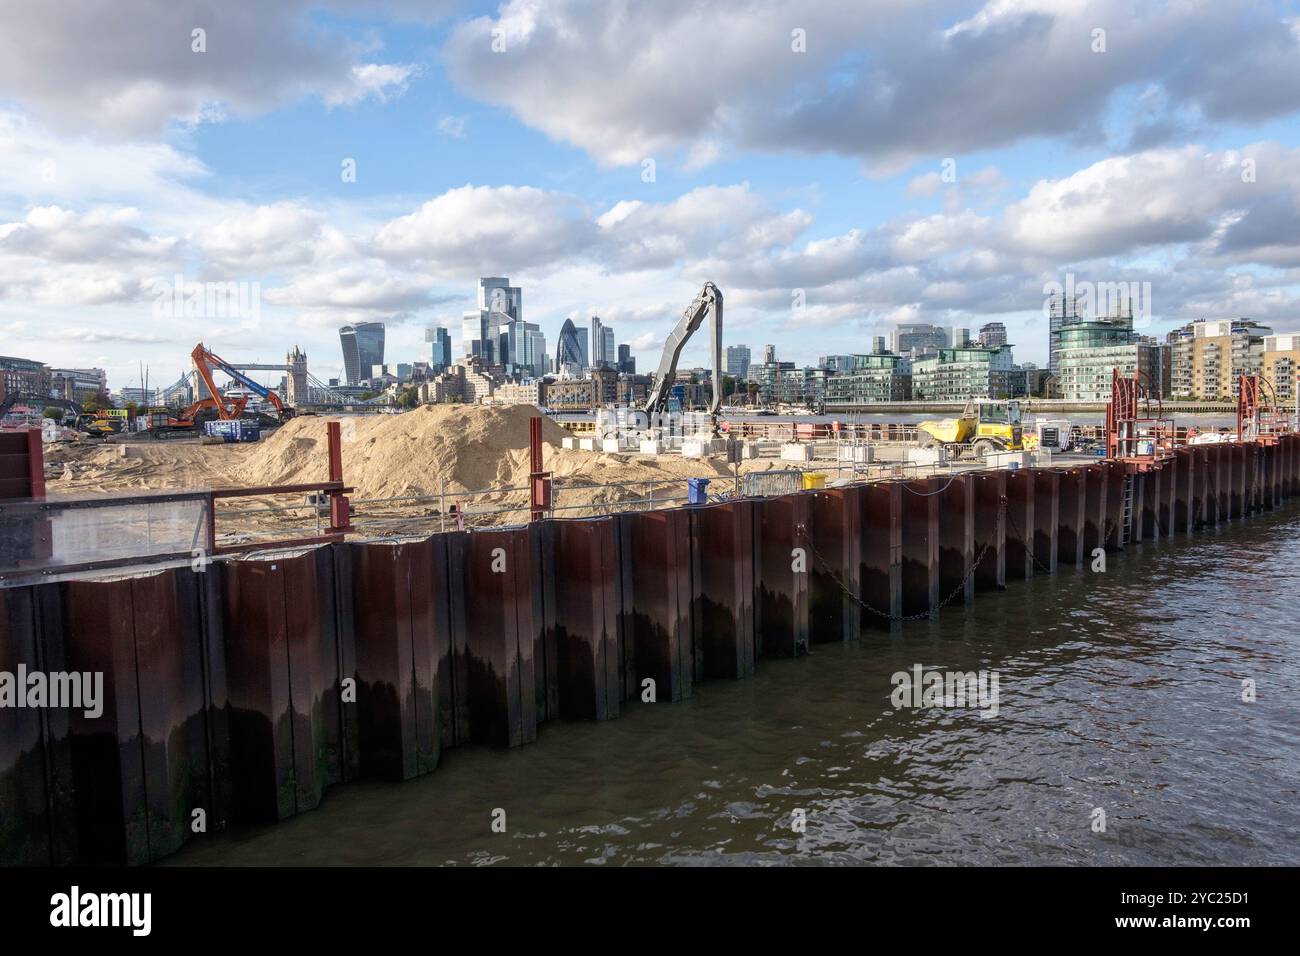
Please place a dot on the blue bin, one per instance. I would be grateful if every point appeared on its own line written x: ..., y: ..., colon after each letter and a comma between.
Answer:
x: 697, y: 490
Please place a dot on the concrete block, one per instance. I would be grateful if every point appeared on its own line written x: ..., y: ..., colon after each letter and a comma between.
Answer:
x: 927, y: 456
x: 587, y: 444
x: 700, y: 447
x: 751, y: 449
x: 651, y: 447
x: 569, y: 442
x: 611, y: 445
x: 796, y: 451
x: 861, y: 454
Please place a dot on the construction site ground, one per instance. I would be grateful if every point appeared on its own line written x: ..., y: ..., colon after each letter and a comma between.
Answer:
x: 408, y: 470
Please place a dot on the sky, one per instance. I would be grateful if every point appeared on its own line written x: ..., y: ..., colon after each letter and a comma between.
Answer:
x: 835, y: 168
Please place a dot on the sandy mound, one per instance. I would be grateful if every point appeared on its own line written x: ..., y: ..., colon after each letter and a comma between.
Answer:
x: 469, y: 447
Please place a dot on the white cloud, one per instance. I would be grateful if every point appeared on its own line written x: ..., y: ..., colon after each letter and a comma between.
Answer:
x: 378, y: 80
x: 129, y: 69
x: 889, y: 85
x: 453, y: 126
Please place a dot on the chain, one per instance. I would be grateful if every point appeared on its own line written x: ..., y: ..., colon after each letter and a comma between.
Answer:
x: 1028, y: 543
x: 803, y: 531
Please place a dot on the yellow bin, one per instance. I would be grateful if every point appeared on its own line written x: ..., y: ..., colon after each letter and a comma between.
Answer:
x: 813, y: 480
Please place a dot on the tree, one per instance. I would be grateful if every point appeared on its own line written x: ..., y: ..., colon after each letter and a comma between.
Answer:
x: 409, y: 398
x: 54, y: 413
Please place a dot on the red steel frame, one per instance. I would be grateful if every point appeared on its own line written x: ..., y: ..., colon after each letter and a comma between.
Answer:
x: 334, y: 489
x: 1125, y: 428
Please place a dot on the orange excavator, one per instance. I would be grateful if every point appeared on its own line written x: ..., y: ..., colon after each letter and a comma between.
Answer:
x: 189, y: 421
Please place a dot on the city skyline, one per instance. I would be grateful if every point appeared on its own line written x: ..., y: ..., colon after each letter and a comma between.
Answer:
x: 339, y: 164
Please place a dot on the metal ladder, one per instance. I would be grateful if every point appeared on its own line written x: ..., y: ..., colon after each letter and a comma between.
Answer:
x: 1126, y: 521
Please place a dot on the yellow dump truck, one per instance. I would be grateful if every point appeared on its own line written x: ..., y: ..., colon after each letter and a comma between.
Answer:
x: 984, y: 427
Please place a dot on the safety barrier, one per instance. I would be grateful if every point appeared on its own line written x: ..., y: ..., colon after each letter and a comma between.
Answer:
x: 242, y: 690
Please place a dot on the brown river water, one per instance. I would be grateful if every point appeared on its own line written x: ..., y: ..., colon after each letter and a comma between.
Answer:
x: 1118, y: 691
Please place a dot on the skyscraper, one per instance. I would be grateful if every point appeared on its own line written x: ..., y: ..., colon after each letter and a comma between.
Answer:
x: 571, y: 351
x: 738, y: 361
x: 993, y: 334
x: 523, y: 349
x: 920, y: 336
x: 1062, y: 311
x: 484, y: 330
x: 769, y: 354
x: 440, y: 347
x: 495, y: 293
x: 602, y: 343
x: 626, y: 363
x: 363, y: 348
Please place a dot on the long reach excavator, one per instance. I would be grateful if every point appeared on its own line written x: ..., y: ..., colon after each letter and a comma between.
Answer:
x: 709, y: 302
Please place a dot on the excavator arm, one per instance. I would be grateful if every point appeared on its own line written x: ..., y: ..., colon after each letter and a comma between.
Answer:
x: 708, y: 301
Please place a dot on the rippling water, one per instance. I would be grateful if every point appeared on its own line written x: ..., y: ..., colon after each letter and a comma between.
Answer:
x: 1119, y: 690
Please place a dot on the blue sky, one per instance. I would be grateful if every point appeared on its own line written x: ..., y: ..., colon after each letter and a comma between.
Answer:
x: 1162, y: 151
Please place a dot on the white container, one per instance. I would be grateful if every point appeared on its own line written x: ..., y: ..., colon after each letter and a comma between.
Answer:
x: 796, y: 451
x: 700, y: 447
x: 611, y: 445
x: 569, y: 442
x: 587, y: 444
x: 861, y: 454
x: 651, y: 447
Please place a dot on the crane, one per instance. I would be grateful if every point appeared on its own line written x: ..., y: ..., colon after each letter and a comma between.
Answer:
x: 708, y: 301
x: 205, y: 363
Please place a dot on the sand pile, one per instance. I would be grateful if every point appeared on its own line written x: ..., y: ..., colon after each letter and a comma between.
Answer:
x: 469, y: 447
x: 384, y: 456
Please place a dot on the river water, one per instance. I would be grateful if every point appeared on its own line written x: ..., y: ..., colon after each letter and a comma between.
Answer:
x: 1119, y: 692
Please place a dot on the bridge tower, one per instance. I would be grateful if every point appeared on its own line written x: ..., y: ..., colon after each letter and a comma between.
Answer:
x: 298, y: 391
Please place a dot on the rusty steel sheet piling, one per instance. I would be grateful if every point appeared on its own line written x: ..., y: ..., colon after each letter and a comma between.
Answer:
x: 784, y: 557
x: 920, y: 551
x: 500, y: 624
x: 225, y: 687
x: 1114, y: 518
x: 1197, y: 484
x: 1236, y: 460
x: 587, y: 619
x: 1019, y: 522
x: 1071, y: 515
x: 1047, y: 512
x: 989, y: 505
x: 134, y: 776
x: 956, y: 539
x: 397, y: 658
x: 1182, y: 476
x: 25, y: 838
x: 836, y: 531
x: 1150, y: 512
x: 546, y: 652
x: 723, y: 562
x: 881, y: 574
x: 661, y: 601
x: 284, y: 678
x: 1094, y: 511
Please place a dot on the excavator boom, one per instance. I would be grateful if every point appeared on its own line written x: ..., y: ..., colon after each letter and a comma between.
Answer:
x: 708, y: 301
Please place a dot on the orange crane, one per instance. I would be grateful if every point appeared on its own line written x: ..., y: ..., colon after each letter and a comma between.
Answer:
x: 205, y: 363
